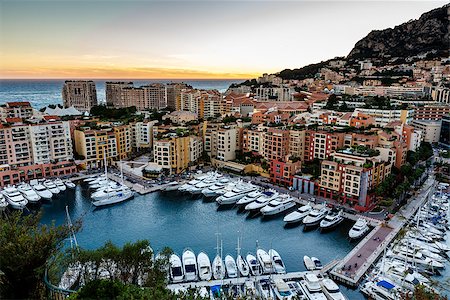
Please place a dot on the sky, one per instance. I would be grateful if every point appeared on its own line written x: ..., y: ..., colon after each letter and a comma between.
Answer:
x: 184, y: 39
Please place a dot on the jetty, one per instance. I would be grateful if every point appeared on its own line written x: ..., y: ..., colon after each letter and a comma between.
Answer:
x: 354, y: 266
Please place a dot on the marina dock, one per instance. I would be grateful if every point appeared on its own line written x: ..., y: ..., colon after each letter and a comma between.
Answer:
x: 354, y: 266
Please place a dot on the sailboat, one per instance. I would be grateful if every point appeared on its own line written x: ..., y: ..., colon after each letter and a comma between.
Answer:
x: 112, y: 195
x: 218, y: 265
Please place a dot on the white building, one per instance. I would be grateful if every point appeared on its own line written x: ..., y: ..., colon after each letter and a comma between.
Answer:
x: 51, y: 142
x: 195, y: 148
x: 384, y: 116
x: 431, y: 130
x: 226, y: 143
x: 143, y: 134
x: 274, y: 93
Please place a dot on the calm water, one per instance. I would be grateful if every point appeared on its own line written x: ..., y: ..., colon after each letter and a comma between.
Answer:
x: 179, y: 222
x: 41, y: 93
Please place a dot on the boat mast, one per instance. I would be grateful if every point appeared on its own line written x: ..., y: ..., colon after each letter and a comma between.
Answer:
x: 121, y: 171
x: 73, y: 238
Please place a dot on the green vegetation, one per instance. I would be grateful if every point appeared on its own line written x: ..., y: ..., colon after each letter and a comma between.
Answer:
x: 106, y: 113
x: 423, y: 153
x: 308, y: 71
x: 27, y: 248
x: 312, y: 168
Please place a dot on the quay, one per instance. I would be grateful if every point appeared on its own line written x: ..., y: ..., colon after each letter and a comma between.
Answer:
x: 355, y: 265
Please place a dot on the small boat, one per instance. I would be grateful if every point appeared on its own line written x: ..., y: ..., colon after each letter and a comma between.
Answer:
x: 309, y: 264
x: 282, y: 290
x: 60, y: 184
x: 315, y: 216
x: 317, y: 263
x: 242, y: 266
x: 204, y: 266
x: 358, y: 229
x: 176, y: 269
x: 14, y: 197
x: 218, y: 268
x: 239, y: 191
x: 311, y: 287
x: 264, y: 261
x: 230, y: 265
x: 255, y: 267
x: 114, y: 197
x: 189, y: 265
x: 51, y: 186
x: 277, y: 263
x: 262, y: 201
x: 69, y: 184
x: 28, y: 193
x: 42, y: 191
x: 331, y: 290
x: 298, y: 215
x: 331, y: 220
x: 91, y: 178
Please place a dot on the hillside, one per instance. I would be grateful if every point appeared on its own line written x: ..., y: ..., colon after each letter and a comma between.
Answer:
x: 430, y: 32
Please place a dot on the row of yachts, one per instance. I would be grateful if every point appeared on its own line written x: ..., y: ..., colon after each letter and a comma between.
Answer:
x: 251, y: 198
x: 19, y: 196
x: 191, y: 268
x: 105, y: 191
x: 411, y: 261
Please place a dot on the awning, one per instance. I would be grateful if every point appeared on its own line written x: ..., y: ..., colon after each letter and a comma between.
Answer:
x: 386, y: 285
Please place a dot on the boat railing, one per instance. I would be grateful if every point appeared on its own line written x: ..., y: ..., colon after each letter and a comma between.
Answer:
x: 54, y: 292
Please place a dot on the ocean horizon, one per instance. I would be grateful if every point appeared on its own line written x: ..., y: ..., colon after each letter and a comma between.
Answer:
x: 43, y: 92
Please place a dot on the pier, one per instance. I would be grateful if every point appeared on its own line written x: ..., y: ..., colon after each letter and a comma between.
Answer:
x: 354, y: 266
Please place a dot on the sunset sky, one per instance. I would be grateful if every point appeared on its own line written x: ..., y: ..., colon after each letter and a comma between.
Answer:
x: 184, y: 39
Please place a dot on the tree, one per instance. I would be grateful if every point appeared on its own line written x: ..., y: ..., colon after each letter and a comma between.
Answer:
x: 26, y: 249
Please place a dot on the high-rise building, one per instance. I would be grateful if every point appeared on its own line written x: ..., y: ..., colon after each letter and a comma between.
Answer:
x: 445, y: 132
x: 113, y: 92
x: 155, y: 96
x: 173, y: 93
x: 172, y: 153
x: 133, y: 96
x: 80, y: 94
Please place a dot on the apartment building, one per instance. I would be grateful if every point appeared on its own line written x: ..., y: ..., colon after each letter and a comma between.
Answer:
x: 51, y: 142
x: 276, y: 144
x: 113, y: 91
x: 123, y: 141
x: 190, y: 100
x: 445, y: 132
x: 350, y: 177
x: 274, y: 93
x: 155, y: 95
x: 22, y: 110
x: 227, y: 143
x: 321, y: 144
x: 80, y: 94
x: 173, y: 94
x: 195, y: 148
x: 209, y: 105
x: 181, y: 117
x: 93, y: 144
x: 133, y: 96
x: 142, y: 134
x: 431, y: 129
x: 297, y: 143
x: 369, y: 140
x: 282, y: 172
x: 440, y: 94
x: 210, y: 131
x: 384, y: 116
x: 172, y: 153
x: 395, y: 142
x: 431, y: 112
x: 253, y: 140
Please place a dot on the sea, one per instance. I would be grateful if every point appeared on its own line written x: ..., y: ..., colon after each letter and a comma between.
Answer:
x: 41, y: 93
x: 180, y: 221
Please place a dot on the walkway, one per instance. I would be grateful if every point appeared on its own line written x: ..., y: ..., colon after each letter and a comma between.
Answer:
x: 371, y: 247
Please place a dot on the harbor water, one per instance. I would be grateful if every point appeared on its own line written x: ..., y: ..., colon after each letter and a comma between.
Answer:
x: 180, y: 221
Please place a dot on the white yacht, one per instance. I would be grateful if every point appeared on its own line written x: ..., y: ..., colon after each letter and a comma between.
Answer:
x: 309, y: 264
x: 315, y: 215
x: 42, y: 191
x: 176, y: 269
x: 255, y: 267
x: 417, y: 258
x: 282, y: 290
x: 51, y: 186
x: 283, y: 203
x: 27, y: 191
x: 14, y: 197
x: 359, y: 229
x: 250, y: 197
x: 237, y: 193
x: 218, y: 268
x: 264, y: 261
x: 114, y: 197
x: 99, y: 184
x: 189, y: 265
x: 317, y: 263
x: 204, y: 266
x: 277, y: 263
x: 199, y: 187
x: 3, y: 202
x: 171, y: 186
x: 69, y: 184
x: 298, y: 215
x: 331, y: 290
x: 213, y: 190
x: 109, y: 191
x: 331, y: 220
x: 91, y: 178
x: 230, y: 265
x: 262, y: 201
x: 60, y: 184
x: 242, y: 266
x: 311, y: 287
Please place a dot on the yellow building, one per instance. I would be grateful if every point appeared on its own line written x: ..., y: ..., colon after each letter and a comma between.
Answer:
x: 123, y: 140
x: 172, y: 153
x: 91, y: 144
